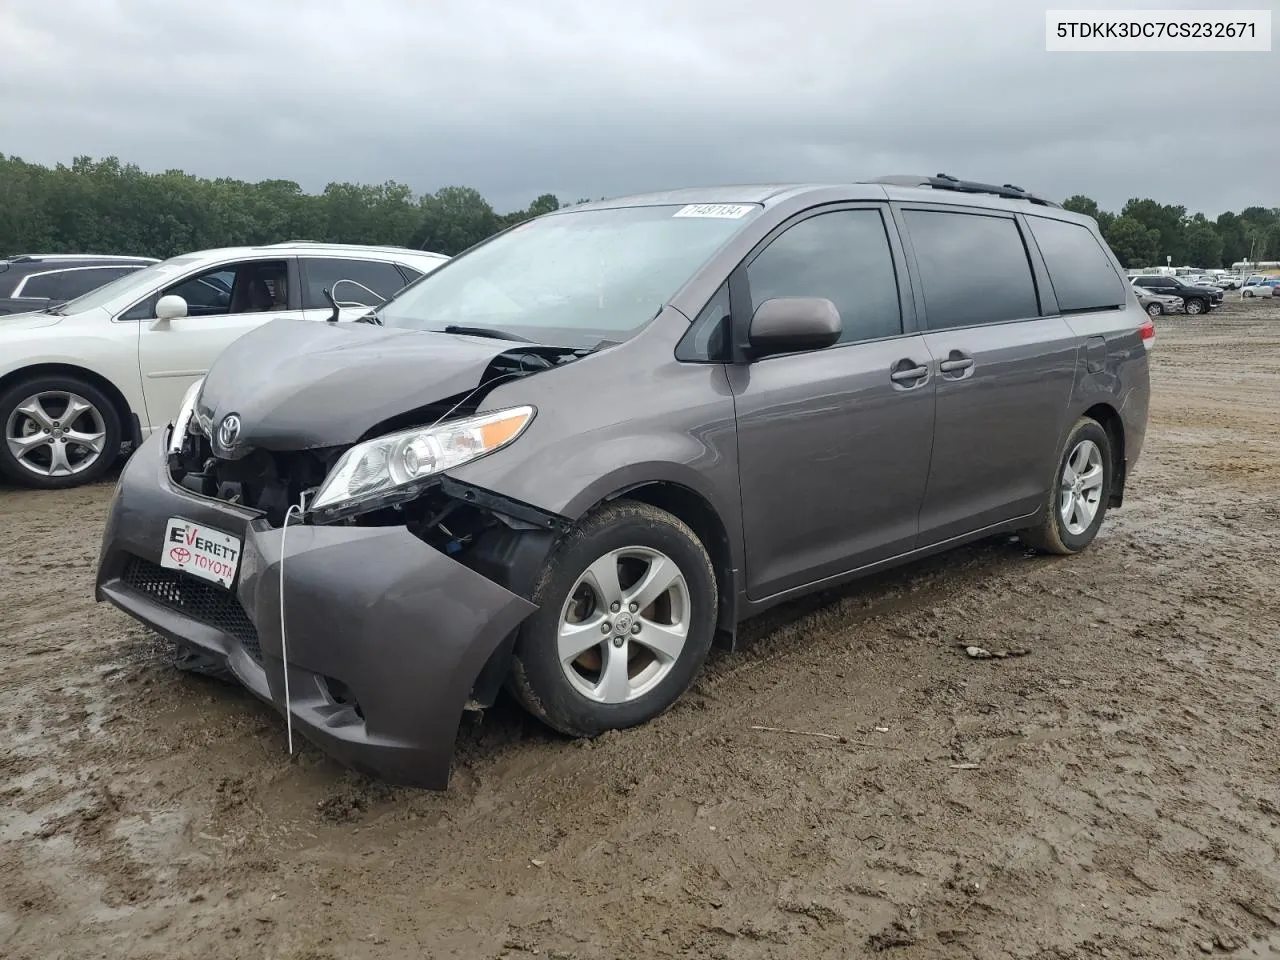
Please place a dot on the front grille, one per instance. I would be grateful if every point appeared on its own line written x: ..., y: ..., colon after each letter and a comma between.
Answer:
x: 203, y: 602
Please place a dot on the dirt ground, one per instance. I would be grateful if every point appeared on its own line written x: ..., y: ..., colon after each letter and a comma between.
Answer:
x: 1114, y: 793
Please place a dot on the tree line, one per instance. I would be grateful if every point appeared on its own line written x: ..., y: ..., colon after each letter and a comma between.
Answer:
x: 105, y: 206
x: 1145, y: 232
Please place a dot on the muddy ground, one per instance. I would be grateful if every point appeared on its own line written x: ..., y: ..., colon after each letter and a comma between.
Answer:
x: 1114, y: 793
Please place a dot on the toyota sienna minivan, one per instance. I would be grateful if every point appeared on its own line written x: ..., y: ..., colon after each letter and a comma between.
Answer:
x: 571, y: 460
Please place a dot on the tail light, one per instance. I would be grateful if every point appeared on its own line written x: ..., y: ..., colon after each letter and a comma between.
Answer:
x: 1147, y: 330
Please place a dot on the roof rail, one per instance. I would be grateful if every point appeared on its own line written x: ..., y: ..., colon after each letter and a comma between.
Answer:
x: 946, y: 182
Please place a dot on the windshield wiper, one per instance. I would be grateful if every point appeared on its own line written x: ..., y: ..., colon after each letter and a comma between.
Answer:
x: 370, y: 317
x: 486, y: 332
x: 55, y: 308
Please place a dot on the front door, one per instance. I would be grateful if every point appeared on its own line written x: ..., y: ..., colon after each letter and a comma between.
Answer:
x: 223, y: 304
x: 834, y: 444
x: 1004, y: 371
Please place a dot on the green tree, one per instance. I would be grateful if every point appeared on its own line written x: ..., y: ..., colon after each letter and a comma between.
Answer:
x: 1079, y: 203
x: 1235, y: 244
x: 1204, y: 243
x: 1134, y: 244
x: 1168, y: 222
x: 453, y: 219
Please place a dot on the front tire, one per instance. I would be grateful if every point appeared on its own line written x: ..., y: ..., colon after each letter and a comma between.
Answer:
x: 1155, y: 310
x: 58, y: 432
x: 626, y: 617
x: 1195, y: 306
x: 1079, y: 493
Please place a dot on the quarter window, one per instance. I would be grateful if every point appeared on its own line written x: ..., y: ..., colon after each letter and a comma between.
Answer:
x: 843, y: 256
x: 41, y: 286
x: 1080, y: 271
x: 973, y: 268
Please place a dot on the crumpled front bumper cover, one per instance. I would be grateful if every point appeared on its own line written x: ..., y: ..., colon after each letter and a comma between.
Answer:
x: 386, y: 635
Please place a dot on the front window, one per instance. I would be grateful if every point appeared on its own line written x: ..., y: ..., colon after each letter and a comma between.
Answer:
x: 572, y: 279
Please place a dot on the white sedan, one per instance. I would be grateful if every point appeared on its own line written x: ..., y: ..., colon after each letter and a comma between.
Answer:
x: 80, y: 379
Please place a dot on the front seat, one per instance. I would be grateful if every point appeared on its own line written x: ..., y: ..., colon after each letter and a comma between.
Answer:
x: 259, y: 296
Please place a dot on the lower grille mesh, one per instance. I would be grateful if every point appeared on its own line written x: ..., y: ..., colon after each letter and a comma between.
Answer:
x: 202, y: 602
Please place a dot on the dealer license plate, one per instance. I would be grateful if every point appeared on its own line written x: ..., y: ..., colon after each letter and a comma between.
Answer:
x: 201, y: 552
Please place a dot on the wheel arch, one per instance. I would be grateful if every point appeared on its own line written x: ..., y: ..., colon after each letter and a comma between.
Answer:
x: 1107, y: 417
x: 128, y: 421
x: 695, y: 510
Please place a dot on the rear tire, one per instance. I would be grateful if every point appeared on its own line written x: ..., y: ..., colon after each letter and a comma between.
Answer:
x: 1079, y: 493
x: 583, y: 665
x: 38, y: 446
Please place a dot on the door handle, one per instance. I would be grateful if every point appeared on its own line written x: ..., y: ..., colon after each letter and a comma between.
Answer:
x: 909, y: 374
x: 952, y: 366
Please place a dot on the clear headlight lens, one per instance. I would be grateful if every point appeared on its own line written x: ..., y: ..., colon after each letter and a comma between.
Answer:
x: 387, y: 467
x: 182, y: 423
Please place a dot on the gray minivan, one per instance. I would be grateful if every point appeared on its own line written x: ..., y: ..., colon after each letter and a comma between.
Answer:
x: 574, y: 458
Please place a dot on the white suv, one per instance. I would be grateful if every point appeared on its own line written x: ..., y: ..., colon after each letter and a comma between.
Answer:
x: 81, y: 378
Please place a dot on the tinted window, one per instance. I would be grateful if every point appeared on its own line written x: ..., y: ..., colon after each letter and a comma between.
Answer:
x: 1080, y: 271
x: 41, y: 285
x: 321, y: 274
x: 410, y: 274
x: 843, y: 256
x: 973, y: 268
x: 76, y: 283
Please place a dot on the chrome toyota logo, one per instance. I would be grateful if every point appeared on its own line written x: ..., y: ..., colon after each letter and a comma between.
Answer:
x: 229, y: 431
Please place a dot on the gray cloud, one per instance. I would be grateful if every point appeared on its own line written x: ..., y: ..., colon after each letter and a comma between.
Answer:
x: 601, y: 97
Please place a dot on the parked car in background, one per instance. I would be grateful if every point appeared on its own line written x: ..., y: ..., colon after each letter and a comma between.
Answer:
x: 579, y: 454
x: 32, y: 281
x: 1196, y: 298
x: 1230, y: 282
x: 1260, y: 285
x: 1158, y: 303
x: 82, y: 378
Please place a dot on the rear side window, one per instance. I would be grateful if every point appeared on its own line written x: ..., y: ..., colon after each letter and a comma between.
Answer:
x: 41, y: 286
x: 321, y: 273
x: 76, y: 283
x: 843, y: 256
x: 1080, y: 271
x: 973, y: 268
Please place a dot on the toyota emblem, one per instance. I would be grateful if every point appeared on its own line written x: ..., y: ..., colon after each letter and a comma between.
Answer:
x: 229, y: 431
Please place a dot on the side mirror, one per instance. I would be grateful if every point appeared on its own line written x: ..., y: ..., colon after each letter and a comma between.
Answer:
x: 792, y: 324
x: 170, y: 307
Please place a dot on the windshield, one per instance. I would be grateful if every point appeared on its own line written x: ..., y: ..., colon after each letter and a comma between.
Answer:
x: 572, y: 279
x: 138, y: 281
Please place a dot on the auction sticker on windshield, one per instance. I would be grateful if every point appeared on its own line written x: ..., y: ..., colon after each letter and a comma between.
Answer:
x: 209, y: 554
x: 717, y: 211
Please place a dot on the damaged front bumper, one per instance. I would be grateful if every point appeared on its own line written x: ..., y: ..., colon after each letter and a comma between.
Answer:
x: 386, y: 634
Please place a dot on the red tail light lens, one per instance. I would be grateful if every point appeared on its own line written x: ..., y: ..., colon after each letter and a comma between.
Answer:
x: 1148, y: 332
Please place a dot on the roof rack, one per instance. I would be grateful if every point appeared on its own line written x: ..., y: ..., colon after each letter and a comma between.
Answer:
x: 943, y: 181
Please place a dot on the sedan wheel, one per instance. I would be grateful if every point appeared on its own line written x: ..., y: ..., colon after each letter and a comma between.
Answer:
x: 57, y: 433
x: 1155, y: 310
x: 627, y: 608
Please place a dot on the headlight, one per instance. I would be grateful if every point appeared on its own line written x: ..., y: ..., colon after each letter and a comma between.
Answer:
x: 396, y: 466
x: 183, y: 420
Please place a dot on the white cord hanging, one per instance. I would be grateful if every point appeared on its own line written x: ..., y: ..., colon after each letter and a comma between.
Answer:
x: 296, y: 510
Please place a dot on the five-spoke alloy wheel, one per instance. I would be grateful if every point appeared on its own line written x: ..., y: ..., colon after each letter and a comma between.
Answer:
x: 58, y: 432
x: 627, y: 613
x: 1079, y: 494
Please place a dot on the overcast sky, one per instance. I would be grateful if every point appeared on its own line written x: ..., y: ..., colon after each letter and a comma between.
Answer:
x: 589, y: 98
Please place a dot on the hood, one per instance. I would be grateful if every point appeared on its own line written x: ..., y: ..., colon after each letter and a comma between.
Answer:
x: 302, y: 384
x: 27, y: 321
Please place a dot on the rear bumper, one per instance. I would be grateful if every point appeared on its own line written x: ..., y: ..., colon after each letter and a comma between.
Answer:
x: 386, y: 635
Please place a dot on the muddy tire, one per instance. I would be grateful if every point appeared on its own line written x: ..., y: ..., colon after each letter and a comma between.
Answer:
x: 40, y: 448
x: 1079, y: 493
x: 626, y: 617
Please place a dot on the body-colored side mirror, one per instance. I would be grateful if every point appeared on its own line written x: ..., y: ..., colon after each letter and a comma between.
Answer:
x: 793, y: 324
x: 171, y: 307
